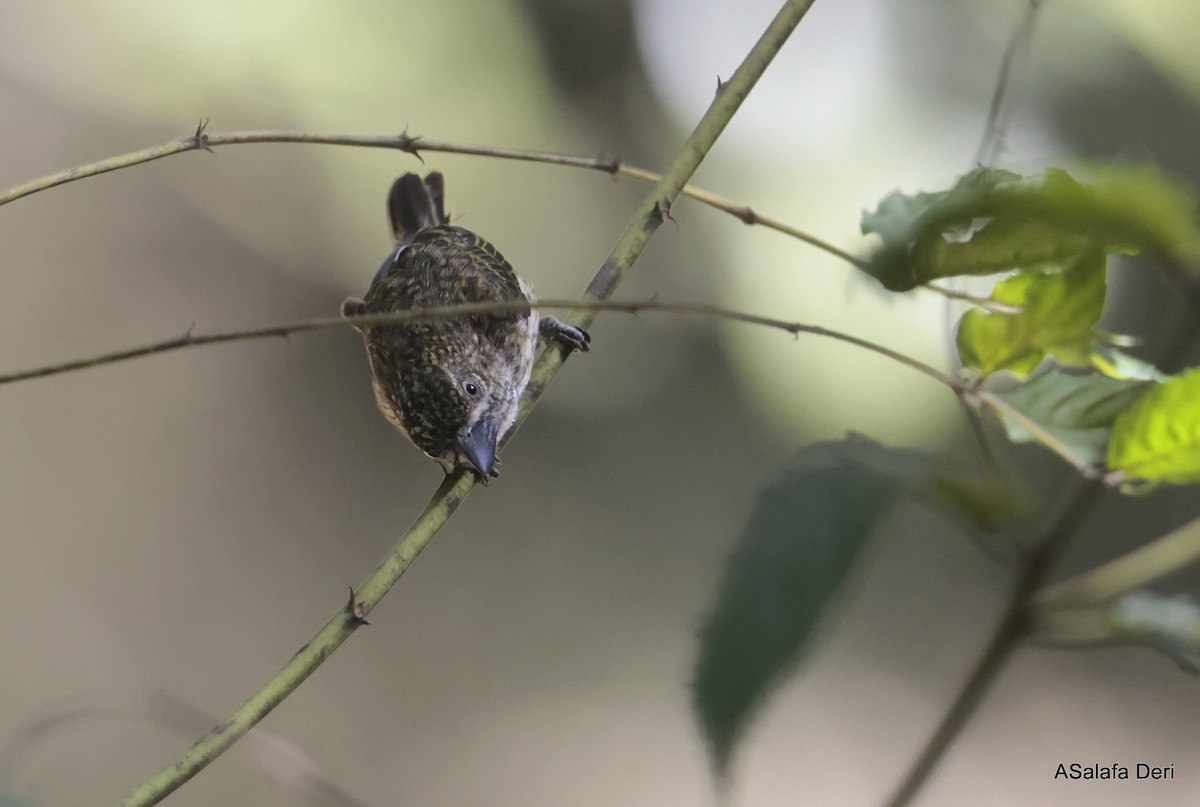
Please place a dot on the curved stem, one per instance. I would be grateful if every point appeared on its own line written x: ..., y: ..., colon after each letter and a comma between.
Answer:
x: 456, y: 486
x: 1039, y: 432
x: 981, y: 302
x: 204, y: 140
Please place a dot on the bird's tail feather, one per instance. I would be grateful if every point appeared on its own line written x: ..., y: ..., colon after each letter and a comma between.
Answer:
x: 415, y: 204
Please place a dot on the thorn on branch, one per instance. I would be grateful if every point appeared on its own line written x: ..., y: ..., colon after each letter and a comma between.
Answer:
x: 357, y: 609
x: 408, y: 144
x: 189, y: 334
x: 200, y: 138
x: 611, y: 167
x: 721, y: 85
x: 662, y: 209
x: 746, y: 214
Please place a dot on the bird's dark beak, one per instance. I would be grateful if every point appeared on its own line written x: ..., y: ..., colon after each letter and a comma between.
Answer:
x: 479, y: 447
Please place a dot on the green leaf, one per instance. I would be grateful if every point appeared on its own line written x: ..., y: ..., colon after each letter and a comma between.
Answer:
x: 900, y: 216
x: 800, y: 541
x: 1028, y: 222
x: 1158, y: 438
x: 1079, y: 410
x: 1125, y: 208
x: 1058, y: 311
x: 902, y: 219
x: 998, y: 246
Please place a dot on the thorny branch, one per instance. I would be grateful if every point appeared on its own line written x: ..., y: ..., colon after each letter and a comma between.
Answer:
x: 203, y: 140
x: 458, y: 485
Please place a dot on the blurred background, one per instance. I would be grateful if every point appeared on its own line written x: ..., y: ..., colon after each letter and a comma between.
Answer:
x: 183, y: 523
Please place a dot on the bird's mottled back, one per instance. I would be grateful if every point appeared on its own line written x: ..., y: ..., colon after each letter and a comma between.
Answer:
x: 452, y: 385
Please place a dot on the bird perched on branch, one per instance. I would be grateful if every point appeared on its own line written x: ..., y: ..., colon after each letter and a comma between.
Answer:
x: 452, y: 386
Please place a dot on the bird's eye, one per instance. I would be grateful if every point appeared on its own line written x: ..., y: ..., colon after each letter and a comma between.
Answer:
x: 471, y: 388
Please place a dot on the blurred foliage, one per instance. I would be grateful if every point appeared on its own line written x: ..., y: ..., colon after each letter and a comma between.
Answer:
x: 1053, y: 234
x: 805, y: 531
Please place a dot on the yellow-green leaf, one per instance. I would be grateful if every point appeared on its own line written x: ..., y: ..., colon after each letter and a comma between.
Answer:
x: 1158, y: 438
x: 1058, y: 312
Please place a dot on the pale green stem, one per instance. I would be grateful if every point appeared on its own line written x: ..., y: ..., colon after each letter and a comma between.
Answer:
x: 1155, y: 560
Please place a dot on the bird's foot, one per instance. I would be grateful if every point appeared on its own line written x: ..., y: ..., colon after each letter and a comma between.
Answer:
x: 479, y: 475
x: 353, y: 306
x: 556, y: 330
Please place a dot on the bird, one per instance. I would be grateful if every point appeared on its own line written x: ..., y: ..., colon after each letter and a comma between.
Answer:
x: 452, y: 386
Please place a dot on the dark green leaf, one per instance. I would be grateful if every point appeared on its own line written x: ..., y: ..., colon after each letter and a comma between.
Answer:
x: 902, y: 219
x: 998, y: 246
x: 1079, y: 410
x: 900, y: 216
x: 801, y: 539
x: 1158, y: 438
x: 1123, y: 208
x: 1058, y: 311
x: 1028, y: 222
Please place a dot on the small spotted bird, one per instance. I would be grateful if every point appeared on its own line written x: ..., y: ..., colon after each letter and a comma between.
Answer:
x: 451, y: 385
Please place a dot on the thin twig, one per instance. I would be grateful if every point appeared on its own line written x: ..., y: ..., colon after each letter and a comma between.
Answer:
x: 458, y: 485
x: 190, y: 339
x: 993, y: 132
x: 202, y: 139
x: 987, y: 457
x: 1039, y: 432
x: 981, y: 302
x: 1013, y: 626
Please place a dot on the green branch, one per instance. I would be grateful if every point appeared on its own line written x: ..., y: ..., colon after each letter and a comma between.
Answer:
x: 1163, y: 556
x: 1013, y: 626
x: 456, y: 486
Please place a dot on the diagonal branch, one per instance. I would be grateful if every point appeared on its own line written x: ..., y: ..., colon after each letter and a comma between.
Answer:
x: 456, y: 486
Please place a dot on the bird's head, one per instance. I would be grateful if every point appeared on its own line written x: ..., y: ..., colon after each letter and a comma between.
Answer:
x: 483, y: 390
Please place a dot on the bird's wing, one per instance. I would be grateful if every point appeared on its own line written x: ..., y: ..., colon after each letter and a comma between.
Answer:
x: 444, y: 266
x: 462, y: 267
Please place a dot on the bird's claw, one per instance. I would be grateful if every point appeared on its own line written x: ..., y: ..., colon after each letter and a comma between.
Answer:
x: 572, y: 338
